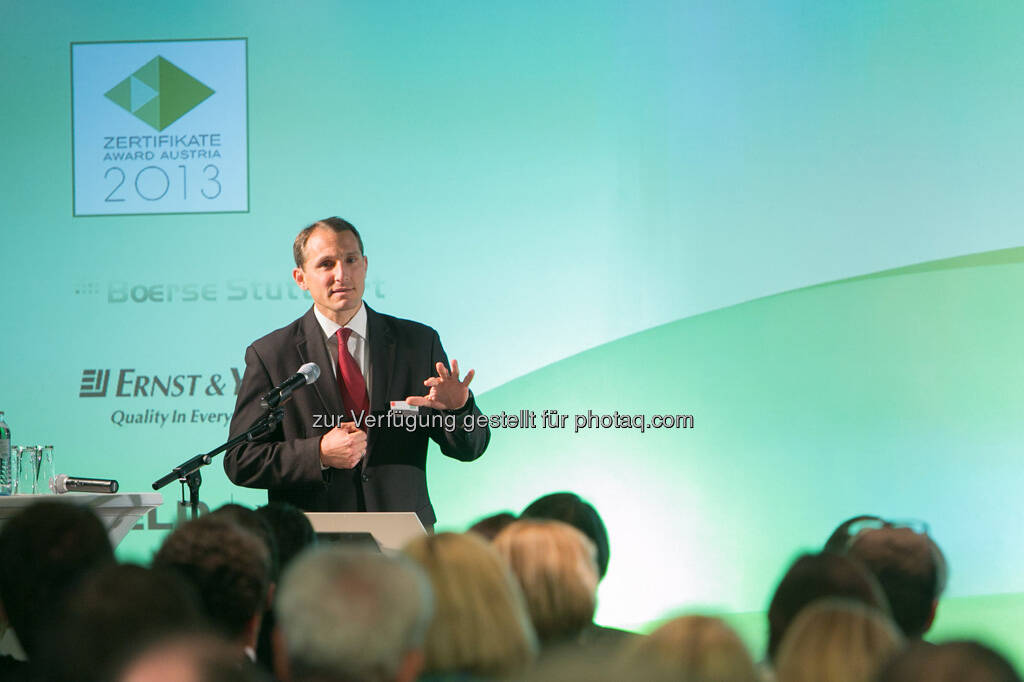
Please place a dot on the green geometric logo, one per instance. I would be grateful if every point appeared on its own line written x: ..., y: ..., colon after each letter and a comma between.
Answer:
x: 159, y: 93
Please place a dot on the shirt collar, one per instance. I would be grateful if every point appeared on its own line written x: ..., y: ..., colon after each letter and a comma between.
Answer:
x: 357, y: 324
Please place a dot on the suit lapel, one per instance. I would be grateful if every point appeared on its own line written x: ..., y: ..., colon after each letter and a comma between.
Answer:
x: 382, y: 360
x: 382, y: 363
x: 311, y: 348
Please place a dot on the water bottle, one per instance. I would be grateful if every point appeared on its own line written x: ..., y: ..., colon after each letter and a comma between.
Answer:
x: 6, y: 463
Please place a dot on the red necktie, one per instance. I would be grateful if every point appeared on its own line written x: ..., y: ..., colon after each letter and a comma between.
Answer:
x: 350, y: 379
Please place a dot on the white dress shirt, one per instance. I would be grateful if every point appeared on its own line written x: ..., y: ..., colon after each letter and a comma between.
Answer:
x: 358, y: 342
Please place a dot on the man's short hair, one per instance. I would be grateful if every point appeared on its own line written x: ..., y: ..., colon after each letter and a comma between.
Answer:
x: 228, y: 566
x: 248, y: 519
x: 44, y: 551
x: 347, y: 614
x: 291, y: 529
x: 906, y: 564
x: 334, y: 223
x: 815, y: 576
x: 572, y: 509
x: 904, y: 559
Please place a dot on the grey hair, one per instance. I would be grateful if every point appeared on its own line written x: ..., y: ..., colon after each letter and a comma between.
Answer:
x: 352, y: 614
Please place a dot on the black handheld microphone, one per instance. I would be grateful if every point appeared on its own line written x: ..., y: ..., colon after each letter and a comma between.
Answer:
x: 62, y: 483
x: 307, y: 374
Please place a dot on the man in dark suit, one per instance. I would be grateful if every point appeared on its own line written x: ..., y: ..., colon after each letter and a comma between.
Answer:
x: 336, y: 448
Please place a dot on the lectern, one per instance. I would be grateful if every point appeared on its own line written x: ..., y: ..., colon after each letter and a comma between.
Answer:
x: 391, y: 530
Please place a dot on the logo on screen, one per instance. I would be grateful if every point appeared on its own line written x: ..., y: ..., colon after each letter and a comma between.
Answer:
x: 159, y: 127
x: 131, y: 383
x: 94, y: 383
x: 159, y: 93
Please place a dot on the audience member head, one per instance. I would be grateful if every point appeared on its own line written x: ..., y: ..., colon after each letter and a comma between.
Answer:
x: 836, y: 640
x: 256, y: 524
x: 291, y: 530
x: 489, y: 527
x: 698, y: 649
x: 908, y: 564
x: 189, y: 659
x: 292, y: 533
x: 481, y: 626
x: 554, y: 564
x: 113, y: 612
x: 44, y: 551
x: 228, y: 566
x: 578, y: 513
x: 352, y: 615
x: 961, y: 661
x: 840, y: 538
x: 815, y: 576
x: 586, y: 664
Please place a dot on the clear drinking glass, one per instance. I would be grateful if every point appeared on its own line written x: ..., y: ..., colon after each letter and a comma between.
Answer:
x: 47, y: 470
x: 28, y: 469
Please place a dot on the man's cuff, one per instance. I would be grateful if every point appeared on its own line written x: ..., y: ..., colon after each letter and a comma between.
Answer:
x: 320, y: 454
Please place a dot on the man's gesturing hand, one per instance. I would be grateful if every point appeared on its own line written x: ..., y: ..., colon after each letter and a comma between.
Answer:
x: 446, y: 391
x: 343, y: 446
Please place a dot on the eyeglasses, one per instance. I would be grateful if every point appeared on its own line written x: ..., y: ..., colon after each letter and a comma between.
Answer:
x: 875, y: 523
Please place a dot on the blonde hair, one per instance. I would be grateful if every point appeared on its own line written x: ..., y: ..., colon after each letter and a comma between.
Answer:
x: 556, y: 567
x: 698, y: 648
x: 837, y: 640
x: 480, y: 623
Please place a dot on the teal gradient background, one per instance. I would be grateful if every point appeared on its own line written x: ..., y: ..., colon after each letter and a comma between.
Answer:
x: 655, y: 207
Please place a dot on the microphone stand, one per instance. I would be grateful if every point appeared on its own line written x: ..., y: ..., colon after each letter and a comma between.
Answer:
x: 188, y: 471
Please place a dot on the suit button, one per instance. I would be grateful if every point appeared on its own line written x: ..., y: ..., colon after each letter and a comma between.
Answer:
x: 366, y: 477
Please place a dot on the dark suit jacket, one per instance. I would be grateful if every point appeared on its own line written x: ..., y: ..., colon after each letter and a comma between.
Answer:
x: 392, y: 475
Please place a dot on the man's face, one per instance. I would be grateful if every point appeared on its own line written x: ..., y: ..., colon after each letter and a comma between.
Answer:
x: 334, y: 273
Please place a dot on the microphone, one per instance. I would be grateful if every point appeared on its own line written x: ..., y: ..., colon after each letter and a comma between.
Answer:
x: 62, y: 483
x: 307, y: 374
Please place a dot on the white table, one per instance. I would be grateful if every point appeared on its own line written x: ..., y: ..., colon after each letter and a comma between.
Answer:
x: 118, y: 511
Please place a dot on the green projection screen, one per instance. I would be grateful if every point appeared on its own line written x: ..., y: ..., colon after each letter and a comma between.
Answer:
x: 796, y: 224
